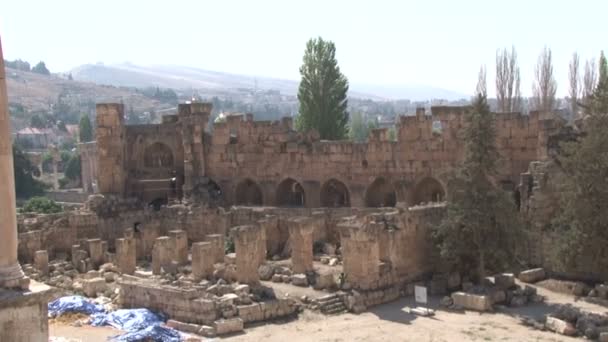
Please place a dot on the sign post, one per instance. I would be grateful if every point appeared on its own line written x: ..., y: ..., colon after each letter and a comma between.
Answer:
x: 420, y: 296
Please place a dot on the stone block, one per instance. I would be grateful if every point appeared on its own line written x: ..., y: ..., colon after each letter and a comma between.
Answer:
x: 532, y: 275
x: 559, y: 326
x: 161, y: 255
x: 301, y: 241
x: 472, y: 301
x: 91, y: 287
x: 299, y: 280
x: 228, y: 326
x: 265, y: 272
x: 325, y: 280
x: 247, y: 243
x: 504, y: 281
x: 41, y: 262
x: 603, y: 337
x: 179, y: 246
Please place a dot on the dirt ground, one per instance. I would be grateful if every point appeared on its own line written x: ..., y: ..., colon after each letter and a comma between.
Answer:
x: 388, y: 322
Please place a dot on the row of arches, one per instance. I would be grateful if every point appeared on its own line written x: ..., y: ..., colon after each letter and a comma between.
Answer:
x: 335, y: 194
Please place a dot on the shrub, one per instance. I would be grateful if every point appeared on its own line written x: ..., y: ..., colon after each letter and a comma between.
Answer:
x: 41, y: 205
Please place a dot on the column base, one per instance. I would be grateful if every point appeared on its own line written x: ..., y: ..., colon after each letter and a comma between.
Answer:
x: 12, y: 277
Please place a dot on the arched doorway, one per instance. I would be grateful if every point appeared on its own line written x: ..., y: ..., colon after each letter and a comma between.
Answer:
x: 428, y: 190
x: 290, y: 194
x: 334, y: 194
x: 380, y: 193
x: 248, y: 192
x: 158, y: 155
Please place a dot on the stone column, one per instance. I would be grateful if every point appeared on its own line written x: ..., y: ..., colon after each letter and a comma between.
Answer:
x: 179, y: 246
x: 217, y: 247
x: 96, y: 253
x: 41, y: 262
x: 300, y: 238
x: 360, y: 254
x: 247, y: 240
x: 202, y: 260
x: 161, y: 255
x: 11, y: 275
x: 126, y: 255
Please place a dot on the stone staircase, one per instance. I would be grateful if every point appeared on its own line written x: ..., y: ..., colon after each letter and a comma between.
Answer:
x: 331, y: 304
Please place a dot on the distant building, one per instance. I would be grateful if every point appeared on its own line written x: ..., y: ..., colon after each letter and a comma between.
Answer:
x: 35, y: 138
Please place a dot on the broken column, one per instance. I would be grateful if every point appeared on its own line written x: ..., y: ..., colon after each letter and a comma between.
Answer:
x: 202, y: 260
x: 179, y: 246
x: 247, y: 240
x: 161, y: 254
x: 146, y: 237
x: 360, y: 254
x: 217, y: 247
x: 126, y: 255
x: 96, y: 253
x: 300, y: 239
x: 41, y: 262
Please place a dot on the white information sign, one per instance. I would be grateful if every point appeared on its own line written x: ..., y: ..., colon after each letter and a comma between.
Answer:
x: 420, y: 294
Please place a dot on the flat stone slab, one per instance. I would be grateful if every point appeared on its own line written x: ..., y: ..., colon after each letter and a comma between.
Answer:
x: 472, y: 301
x: 532, y: 276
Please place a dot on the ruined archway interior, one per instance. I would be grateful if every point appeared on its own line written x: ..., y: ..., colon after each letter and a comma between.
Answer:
x: 334, y: 194
x: 158, y: 155
x: 248, y: 193
x: 429, y: 190
x: 290, y: 193
x: 380, y: 193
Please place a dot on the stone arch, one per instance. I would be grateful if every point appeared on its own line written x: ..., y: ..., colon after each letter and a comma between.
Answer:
x: 334, y: 194
x: 290, y: 193
x: 158, y: 155
x: 248, y: 192
x: 428, y: 190
x: 157, y: 203
x: 381, y: 193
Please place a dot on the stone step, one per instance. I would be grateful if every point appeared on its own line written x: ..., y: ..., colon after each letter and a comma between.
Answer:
x: 328, y: 298
x: 334, y: 311
x: 332, y: 306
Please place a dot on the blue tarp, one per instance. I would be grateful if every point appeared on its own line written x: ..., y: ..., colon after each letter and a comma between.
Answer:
x: 128, y: 319
x: 73, y: 304
x: 139, y: 324
x: 154, y: 333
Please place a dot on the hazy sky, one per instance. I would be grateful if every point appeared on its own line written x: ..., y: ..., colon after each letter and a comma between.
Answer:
x: 381, y: 42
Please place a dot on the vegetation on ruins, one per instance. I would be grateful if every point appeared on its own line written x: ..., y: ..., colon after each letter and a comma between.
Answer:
x: 25, y: 183
x: 85, y: 129
x: 41, y: 205
x: 479, y: 228
x: 323, y: 92
x: 584, y: 201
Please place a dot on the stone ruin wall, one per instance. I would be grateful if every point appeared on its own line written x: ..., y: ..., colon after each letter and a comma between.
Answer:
x: 256, y: 162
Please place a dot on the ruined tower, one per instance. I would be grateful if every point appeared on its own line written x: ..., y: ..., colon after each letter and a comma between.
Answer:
x: 111, y: 148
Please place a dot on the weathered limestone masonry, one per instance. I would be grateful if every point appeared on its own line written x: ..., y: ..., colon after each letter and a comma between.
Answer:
x: 202, y: 260
x: 248, y: 245
x: 268, y: 163
x: 300, y: 238
x: 161, y: 254
x: 126, y: 255
x: 23, y: 305
x: 179, y: 246
x: 88, y: 164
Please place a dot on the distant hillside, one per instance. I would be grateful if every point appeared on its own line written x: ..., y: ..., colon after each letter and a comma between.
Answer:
x: 37, y: 92
x: 179, y: 77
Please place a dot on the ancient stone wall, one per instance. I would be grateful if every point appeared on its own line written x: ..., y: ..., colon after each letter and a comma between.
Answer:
x: 89, y: 166
x: 268, y: 163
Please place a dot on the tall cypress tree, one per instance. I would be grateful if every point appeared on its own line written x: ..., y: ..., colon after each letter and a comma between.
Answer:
x: 323, y: 91
x: 478, y: 229
x: 583, y: 217
x: 85, y: 129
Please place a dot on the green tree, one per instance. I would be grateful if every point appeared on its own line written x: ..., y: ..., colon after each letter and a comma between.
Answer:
x: 40, y: 68
x: 85, y: 129
x: 359, y: 127
x: 323, y: 92
x: 72, y: 169
x: 37, y: 122
x: 25, y: 183
x: 479, y: 228
x: 583, y: 218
